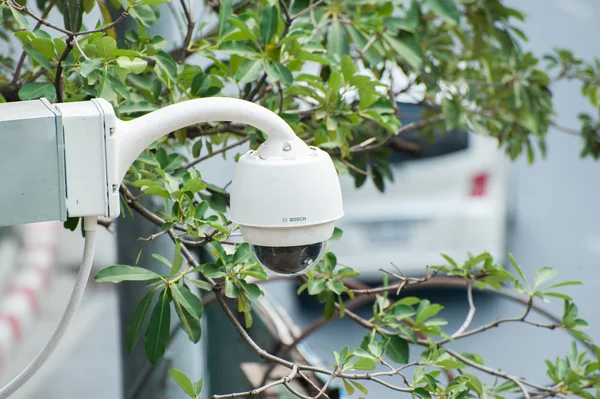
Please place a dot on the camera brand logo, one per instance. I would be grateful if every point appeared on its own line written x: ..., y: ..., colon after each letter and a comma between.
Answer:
x: 294, y: 219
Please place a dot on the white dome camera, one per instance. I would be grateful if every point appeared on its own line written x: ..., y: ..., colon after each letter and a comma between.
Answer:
x: 286, y: 198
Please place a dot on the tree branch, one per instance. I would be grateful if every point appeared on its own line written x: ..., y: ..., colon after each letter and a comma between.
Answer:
x: 471, y: 313
x: 123, y: 15
x: 403, y: 130
x: 308, y: 9
x: 224, y: 149
x: 58, y: 81
x: 285, y: 380
x: 191, y: 24
x: 21, y: 61
x: 40, y: 20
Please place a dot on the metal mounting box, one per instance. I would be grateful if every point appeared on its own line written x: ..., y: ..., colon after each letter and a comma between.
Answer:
x: 32, y: 163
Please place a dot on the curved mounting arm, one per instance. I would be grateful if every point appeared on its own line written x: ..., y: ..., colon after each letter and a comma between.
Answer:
x: 134, y: 136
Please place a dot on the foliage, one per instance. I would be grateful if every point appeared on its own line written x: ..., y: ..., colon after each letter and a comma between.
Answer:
x: 330, y: 68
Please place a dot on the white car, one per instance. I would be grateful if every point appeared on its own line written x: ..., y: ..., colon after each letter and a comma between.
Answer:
x: 451, y: 199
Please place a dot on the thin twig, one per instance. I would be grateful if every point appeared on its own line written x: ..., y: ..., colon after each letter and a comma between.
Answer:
x: 312, y: 384
x: 403, y: 130
x: 471, y: 313
x: 308, y: 9
x: 227, y: 148
x: 80, y: 50
x: 564, y: 129
x: 123, y: 15
x: 191, y: 24
x: 520, y: 382
x: 42, y: 21
x: 404, y: 282
x: 19, y: 66
x: 256, y: 88
x: 263, y: 388
x: 322, y: 391
x: 294, y: 392
x: 155, y: 236
x: 356, y: 168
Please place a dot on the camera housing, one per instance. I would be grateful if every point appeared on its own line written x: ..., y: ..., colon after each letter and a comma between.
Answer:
x: 286, y: 198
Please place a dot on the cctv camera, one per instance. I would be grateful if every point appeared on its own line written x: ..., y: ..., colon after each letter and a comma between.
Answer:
x: 286, y: 197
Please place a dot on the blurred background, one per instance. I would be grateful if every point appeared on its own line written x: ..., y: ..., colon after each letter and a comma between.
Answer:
x: 545, y: 214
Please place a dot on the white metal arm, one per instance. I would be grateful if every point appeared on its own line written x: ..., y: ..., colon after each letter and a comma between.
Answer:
x: 133, y: 137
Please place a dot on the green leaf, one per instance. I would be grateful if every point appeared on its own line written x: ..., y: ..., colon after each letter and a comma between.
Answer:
x: 407, y: 48
x: 200, y: 84
x: 360, y: 387
x: 268, y: 23
x: 118, y: 273
x: 212, y: 271
x: 422, y: 393
x: 203, y: 285
x: 412, y: 16
x: 33, y: 91
x: 157, y: 332
x: 451, y: 261
x: 348, y: 387
x: 167, y: 64
x: 518, y: 269
x: 544, y: 274
x: 364, y: 363
x: 225, y: 12
x: 188, y: 300
x: 279, y: 72
x: 242, y: 253
x: 106, y: 46
x: 246, y: 51
x: 162, y: 259
x: 427, y: 310
x: 21, y: 19
x: 564, y: 283
x: 248, y: 71
x: 135, y: 107
x: 132, y: 333
x: 363, y: 353
x: 451, y: 113
x: 347, y: 272
x: 336, y: 40
x: 190, y: 324
x: 397, y: 349
x: 348, y: 67
x: 473, y: 383
x: 183, y: 381
x: 219, y: 252
x: 316, y: 285
x: 231, y: 291
x: 402, y: 312
x: 134, y: 65
x: 198, y: 386
x: 473, y: 356
x: 445, y: 9
x: 177, y: 260
x: 329, y: 307
x: 38, y: 57
x: 44, y: 46
x: 153, y: 2
x: 253, y: 290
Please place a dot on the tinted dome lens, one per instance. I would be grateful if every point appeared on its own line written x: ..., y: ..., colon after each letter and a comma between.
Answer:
x: 289, y: 261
